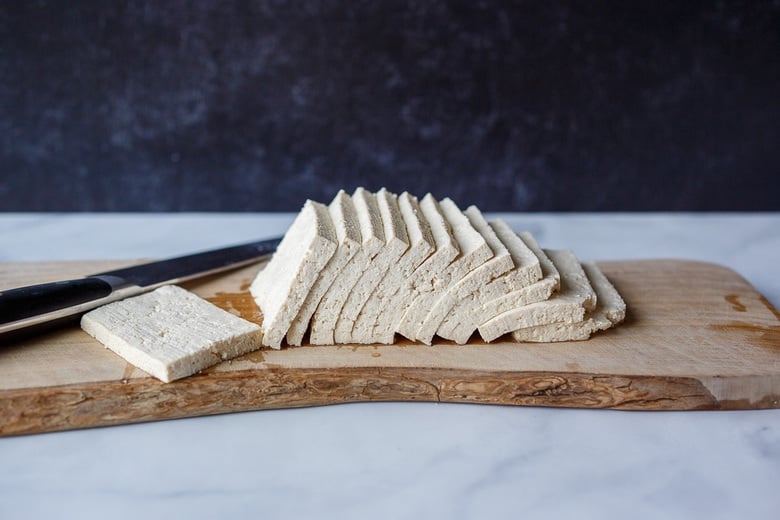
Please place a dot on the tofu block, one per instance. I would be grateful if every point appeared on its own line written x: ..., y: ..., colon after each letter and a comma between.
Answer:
x: 324, y: 319
x: 474, y: 251
x: 370, y: 266
x: 382, y: 301
x: 348, y: 236
x: 423, y: 278
x: 383, y: 205
x: 500, y: 263
x: 575, y: 297
x: 610, y: 310
x: 281, y: 288
x: 171, y: 333
x: 514, y: 289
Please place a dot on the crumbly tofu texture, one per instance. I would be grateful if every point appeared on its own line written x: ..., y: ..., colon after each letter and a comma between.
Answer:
x: 610, y: 310
x: 516, y: 288
x: 342, y: 212
x: 423, y: 278
x: 500, y: 263
x: 404, y: 212
x: 325, y: 318
x: 281, y: 288
x: 474, y: 251
x: 576, y: 296
x: 383, y: 205
x: 551, y: 281
x: 171, y: 333
x: 376, y: 315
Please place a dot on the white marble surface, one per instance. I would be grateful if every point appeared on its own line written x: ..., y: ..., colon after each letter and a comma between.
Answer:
x: 405, y: 460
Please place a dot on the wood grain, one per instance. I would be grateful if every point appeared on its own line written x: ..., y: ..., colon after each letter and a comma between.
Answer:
x: 697, y: 336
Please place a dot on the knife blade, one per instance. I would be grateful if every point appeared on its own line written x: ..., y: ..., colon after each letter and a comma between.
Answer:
x: 33, y: 307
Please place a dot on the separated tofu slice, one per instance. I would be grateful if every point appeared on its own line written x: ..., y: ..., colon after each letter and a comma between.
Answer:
x: 499, y: 264
x: 281, y: 288
x: 171, y: 333
x: 383, y: 299
x: 342, y: 212
x: 324, y: 319
x: 569, y: 305
x: 425, y: 277
x: 474, y: 251
x: 610, y: 310
x: 507, y: 292
x: 385, y: 206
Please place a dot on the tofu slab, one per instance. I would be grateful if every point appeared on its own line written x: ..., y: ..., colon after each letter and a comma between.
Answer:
x: 342, y: 212
x: 171, y: 333
x: 505, y: 292
x: 610, y: 310
x: 383, y: 205
x: 324, y: 319
x: 474, y: 251
x: 281, y: 288
x: 380, y: 305
x: 500, y: 263
x: 575, y: 297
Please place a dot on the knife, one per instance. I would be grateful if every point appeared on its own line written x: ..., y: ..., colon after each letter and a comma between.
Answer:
x: 32, y: 309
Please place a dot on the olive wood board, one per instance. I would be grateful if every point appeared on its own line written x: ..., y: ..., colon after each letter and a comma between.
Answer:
x: 697, y: 337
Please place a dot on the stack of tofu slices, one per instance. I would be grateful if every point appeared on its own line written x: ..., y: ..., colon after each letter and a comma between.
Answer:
x: 371, y: 266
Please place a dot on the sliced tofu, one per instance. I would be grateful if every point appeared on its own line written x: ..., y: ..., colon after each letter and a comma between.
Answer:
x: 613, y: 306
x: 527, y: 268
x: 281, y: 288
x: 500, y: 263
x: 380, y: 305
x: 575, y: 297
x: 423, y: 279
x: 385, y: 206
x: 171, y: 333
x: 610, y: 310
x: 324, y: 319
x: 551, y: 278
x: 474, y: 251
x: 391, y: 265
x: 342, y: 212
x: 509, y: 291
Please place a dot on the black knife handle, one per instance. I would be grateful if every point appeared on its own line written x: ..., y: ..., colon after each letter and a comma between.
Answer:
x: 24, y: 302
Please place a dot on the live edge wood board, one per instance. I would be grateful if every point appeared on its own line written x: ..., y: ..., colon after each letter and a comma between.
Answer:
x: 697, y: 337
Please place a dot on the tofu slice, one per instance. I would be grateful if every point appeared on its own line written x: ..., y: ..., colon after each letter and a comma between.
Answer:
x: 170, y: 332
x: 281, y: 288
x: 514, y: 289
x: 324, y: 319
x: 500, y: 263
x: 385, y: 206
x: 551, y: 277
x: 384, y: 299
x: 423, y: 278
x: 474, y: 251
x: 342, y: 212
x: 576, y: 296
x: 610, y: 310
x: 528, y: 268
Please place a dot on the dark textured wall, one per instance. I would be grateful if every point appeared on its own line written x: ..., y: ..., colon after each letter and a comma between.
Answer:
x: 240, y: 105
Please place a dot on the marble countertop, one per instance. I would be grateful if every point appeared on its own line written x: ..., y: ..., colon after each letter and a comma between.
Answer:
x: 405, y: 460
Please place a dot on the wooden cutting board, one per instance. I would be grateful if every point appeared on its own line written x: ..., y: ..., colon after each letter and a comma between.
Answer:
x: 697, y: 336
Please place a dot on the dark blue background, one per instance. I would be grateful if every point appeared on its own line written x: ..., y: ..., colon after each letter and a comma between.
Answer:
x: 244, y: 106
